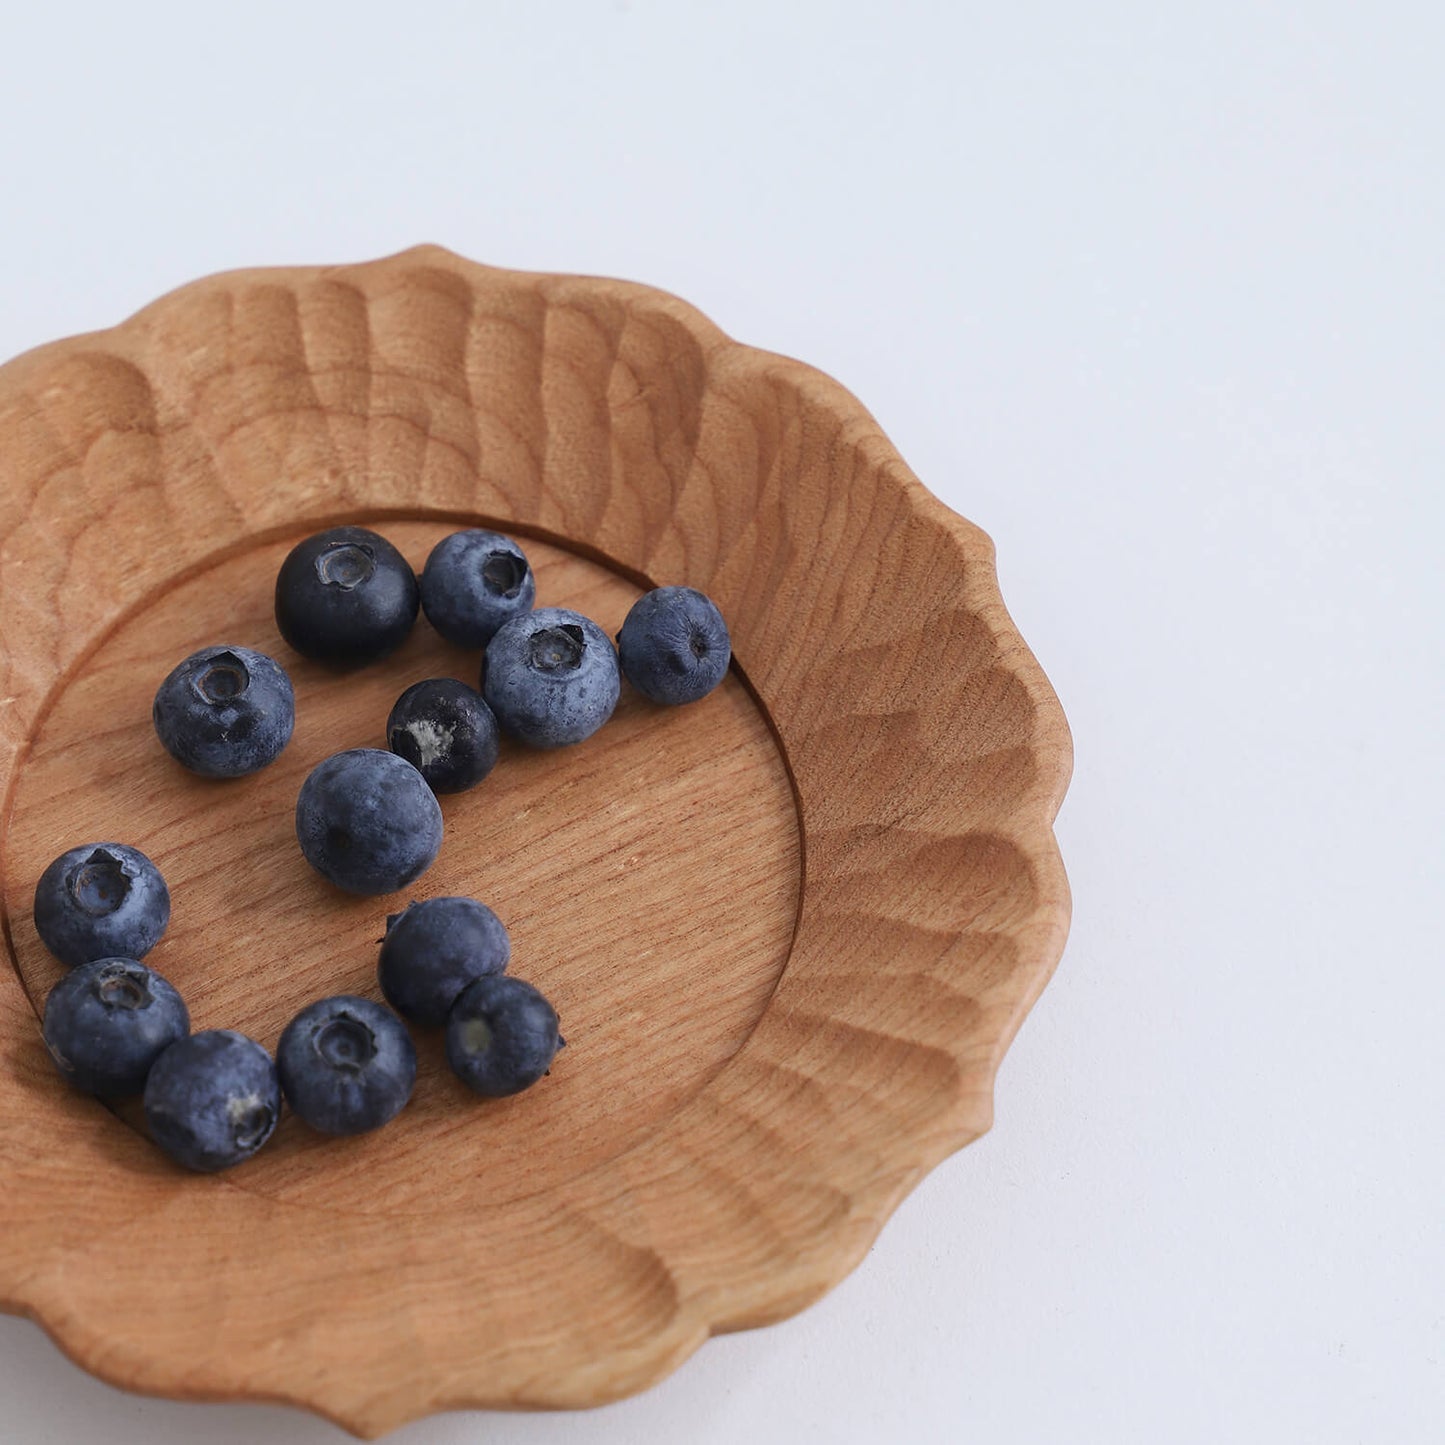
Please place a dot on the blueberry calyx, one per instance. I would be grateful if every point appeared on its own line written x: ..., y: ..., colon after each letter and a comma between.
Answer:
x: 346, y: 565
x: 504, y: 573
x: 224, y: 679
x: 119, y: 987
x: 345, y: 1043
x: 558, y: 649
x: 99, y: 885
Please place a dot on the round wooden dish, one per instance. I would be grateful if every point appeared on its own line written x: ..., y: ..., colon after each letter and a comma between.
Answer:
x: 790, y: 930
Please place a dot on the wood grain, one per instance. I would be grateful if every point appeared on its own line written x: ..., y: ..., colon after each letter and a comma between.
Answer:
x: 791, y: 931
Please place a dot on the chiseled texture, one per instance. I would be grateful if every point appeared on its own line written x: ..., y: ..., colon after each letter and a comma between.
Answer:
x: 107, y: 1021
x: 674, y: 646
x: 433, y: 950
x: 501, y: 1036
x: 446, y: 732
x: 212, y: 1100
x: 367, y: 821
x: 926, y: 752
x: 472, y: 583
x: 551, y: 677
x: 347, y: 1065
x: 101, y: 900
x: 225, y: 711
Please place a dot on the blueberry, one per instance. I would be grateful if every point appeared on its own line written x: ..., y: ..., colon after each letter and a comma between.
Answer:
x: 472, y: 583
x: 107, y: 1021
x: 674, y: 645
x: 212, y: 1099
x: 225, y: 711
x: 346, y: 597
x: 433, y: 950
x: 501, y: 1036
x: 104, y: 900
x: 446, y: 732
x: 346, y: 1065
x: 367, y: 821
x: 551, y: 677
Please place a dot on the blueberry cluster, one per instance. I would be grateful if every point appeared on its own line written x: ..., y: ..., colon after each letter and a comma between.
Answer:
x: 368, y: 820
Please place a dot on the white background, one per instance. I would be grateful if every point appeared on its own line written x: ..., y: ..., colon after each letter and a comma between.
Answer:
x: 1152, y: 292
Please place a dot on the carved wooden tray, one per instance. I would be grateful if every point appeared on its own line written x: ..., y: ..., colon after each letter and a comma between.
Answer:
x: 790, y: 930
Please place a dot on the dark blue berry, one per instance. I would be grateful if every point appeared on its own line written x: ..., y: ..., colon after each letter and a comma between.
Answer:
x: 225, y: 711
x: 551, y: 677
x: 433, y: 950
x: 104, y: 900
x: 106, y: 1023
x: 472, y: 583
x: 346, y: 597
x: 501, y: 1036
x: 674, y: 645
x: 346, y: 1065
x: 212, y: 1099
x: 446, y: 732
x: 367, y: 821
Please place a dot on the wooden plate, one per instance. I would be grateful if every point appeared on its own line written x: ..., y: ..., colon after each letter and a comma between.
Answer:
x: 790, y: 930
